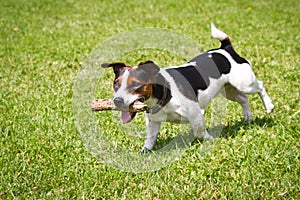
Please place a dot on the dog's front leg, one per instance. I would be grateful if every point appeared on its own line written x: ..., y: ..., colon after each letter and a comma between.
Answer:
x: 152, y: 133
x: 198, y: 127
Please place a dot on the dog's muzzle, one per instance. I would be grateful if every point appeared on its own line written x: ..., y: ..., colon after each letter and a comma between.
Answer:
x: 126, y: 115
x: 119, y: 102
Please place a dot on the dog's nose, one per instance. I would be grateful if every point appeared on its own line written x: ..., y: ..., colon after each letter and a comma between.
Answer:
x: 118, y: 101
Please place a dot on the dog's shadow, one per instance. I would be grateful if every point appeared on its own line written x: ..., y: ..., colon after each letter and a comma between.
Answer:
x: 232, y: 130
x: 221, y: 131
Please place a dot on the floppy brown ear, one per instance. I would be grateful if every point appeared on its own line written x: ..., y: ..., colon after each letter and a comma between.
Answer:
x: 118, y: 66
x: 149, y: 67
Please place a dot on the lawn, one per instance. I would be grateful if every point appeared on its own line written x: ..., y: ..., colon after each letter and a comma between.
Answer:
x: 42, y: 50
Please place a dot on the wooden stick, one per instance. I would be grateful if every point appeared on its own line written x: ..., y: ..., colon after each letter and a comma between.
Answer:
x: 108, y: 104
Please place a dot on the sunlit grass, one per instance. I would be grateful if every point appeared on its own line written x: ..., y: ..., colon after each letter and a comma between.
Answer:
x: 42, y: 155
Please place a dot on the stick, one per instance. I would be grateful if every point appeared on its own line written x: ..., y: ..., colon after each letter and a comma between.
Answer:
x: 108, y: 104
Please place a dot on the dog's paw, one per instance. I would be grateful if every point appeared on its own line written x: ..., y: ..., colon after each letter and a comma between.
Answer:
x: 269, y: 107
x: 205, y: 136
x: 248, y: 118
x: 145, y: 150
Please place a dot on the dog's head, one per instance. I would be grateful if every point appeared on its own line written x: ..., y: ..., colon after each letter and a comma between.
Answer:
x: 132, y: 84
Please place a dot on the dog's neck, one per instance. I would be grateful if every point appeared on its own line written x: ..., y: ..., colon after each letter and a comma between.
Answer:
x: 161, y: 94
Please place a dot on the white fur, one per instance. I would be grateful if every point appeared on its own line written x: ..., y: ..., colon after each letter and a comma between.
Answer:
x: 238, y: 83
x: 234, y: 86
x: 218, y: 34
x: 122, y: 92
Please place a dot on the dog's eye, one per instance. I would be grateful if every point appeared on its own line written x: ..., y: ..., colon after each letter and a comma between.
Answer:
x: 135, y: 85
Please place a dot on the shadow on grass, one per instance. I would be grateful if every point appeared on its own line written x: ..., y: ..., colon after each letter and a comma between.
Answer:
x: 228, y: 131
x: 232, y: 130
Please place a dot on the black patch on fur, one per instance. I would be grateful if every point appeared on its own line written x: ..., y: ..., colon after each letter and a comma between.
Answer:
x: 235, y: 56
x: 227, y: 46
x: 225, y: 43
x: 161, y: 90
x: 190, y: 79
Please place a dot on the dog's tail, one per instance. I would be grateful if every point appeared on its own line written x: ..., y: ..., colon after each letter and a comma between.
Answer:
x: 220, y: 35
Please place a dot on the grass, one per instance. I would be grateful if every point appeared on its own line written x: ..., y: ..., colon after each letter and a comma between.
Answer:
x: 42, y: 155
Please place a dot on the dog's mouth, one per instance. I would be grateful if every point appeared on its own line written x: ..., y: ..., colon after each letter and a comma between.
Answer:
x: 127, y: 116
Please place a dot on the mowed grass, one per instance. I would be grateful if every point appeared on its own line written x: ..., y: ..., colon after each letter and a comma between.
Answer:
x: 42, y: 155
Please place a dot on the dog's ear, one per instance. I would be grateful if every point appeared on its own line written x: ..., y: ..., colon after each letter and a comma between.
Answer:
x: 146, y: 62
x: 118, y: 67
x: 149, y: 67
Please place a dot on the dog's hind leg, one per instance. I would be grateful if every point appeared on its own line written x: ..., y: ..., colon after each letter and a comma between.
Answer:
x: 243, y: 79
x: 258, y: 87
x: 265, y: 97
x: 233, y: 94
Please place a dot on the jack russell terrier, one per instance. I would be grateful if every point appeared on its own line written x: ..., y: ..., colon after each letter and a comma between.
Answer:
x: 180, y: 94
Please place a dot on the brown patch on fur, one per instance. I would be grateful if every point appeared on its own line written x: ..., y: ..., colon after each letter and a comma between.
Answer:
x: 140, y: 80
x: 119, y: 77
x: 139, y: 88
x: 145, y: 91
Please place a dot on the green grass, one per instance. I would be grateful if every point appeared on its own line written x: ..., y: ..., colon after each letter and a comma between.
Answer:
x: 42, y: 155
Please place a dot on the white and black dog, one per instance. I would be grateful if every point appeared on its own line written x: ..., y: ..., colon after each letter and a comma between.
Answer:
x: 180, y: 94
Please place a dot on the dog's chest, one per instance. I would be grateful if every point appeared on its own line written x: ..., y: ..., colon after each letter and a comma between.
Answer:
x: 177, y: 111
x: 168, y: 117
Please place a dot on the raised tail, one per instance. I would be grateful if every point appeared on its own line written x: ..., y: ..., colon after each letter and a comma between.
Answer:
x: 220, y: 35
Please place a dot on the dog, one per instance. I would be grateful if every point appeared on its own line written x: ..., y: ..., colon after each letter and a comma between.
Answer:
x: 180, y: 94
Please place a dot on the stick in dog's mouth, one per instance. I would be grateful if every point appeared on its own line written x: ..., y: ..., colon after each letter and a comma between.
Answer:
x: 128, y: 116
x: 108, y: 104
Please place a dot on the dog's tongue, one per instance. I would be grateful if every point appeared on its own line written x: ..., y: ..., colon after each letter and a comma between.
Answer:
x: 126, y: 116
